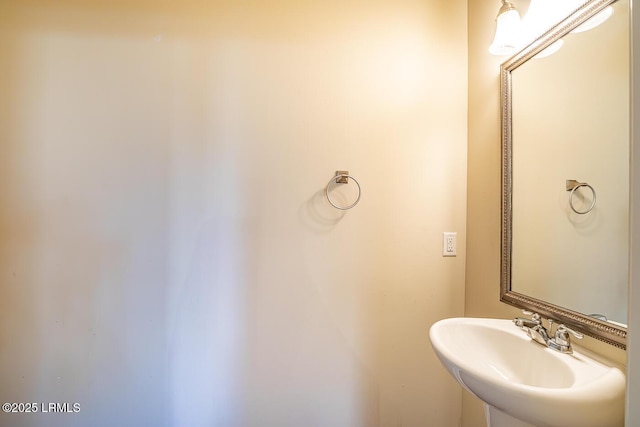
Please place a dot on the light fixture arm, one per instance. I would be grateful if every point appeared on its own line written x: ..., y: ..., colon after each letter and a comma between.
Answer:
x: 506, y: 7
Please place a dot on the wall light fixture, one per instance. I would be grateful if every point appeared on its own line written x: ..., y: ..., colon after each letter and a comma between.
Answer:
x: 512, y: 33
x: 507, y: 39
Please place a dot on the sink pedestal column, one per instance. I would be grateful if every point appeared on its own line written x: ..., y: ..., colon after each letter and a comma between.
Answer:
x: 497, y: 418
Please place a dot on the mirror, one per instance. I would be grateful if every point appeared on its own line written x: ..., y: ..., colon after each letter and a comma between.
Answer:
x: 565, y: 211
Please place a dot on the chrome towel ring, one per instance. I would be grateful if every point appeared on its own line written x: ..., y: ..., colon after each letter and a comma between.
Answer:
x: 342, y: 177
x: 572, y: 185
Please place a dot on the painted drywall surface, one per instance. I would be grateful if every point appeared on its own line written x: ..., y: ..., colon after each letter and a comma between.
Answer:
x: 633, y: 361
x: 482, y: 292
x: 167, y: 257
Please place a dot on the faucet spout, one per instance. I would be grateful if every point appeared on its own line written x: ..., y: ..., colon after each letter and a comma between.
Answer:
x: 533, y: 327
x: 539, y: 334
x: 536, y: 331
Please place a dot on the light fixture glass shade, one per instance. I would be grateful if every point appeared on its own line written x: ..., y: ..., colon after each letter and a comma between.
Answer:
x: 541, y: 16
x: 550, y: 50
x: 570, y: 6
x: 507, y: 40
x: 595, y: 21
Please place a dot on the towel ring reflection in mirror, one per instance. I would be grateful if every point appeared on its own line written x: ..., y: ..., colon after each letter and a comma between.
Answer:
x: 572, y: 185
x: 342, y: 177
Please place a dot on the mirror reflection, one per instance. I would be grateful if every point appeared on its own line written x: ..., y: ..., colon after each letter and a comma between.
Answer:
x: 566, y: 219
x: 571, y: 122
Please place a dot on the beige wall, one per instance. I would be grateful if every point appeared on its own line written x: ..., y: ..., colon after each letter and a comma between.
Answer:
x: 482, y: 292
x: 633, y: 367
x: 166, y: 254
x: 484, y: 184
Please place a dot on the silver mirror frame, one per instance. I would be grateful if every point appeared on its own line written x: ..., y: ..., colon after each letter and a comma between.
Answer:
x: 591, y: 326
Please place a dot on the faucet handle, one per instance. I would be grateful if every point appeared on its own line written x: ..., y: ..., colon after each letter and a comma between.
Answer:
x: 562, y: 335
x: 576, y: 334
x: 522, y: 322
x: 534, y: 316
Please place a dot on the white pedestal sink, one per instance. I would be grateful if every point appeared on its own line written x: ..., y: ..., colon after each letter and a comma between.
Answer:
x: 525, y: 384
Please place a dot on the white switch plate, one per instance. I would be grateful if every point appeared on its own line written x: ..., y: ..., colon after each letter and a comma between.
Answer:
x: 449, y: 243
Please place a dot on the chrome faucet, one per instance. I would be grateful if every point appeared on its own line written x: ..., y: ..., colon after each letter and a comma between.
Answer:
x: 561, y: 340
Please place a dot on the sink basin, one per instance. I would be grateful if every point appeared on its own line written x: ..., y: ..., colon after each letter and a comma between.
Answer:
x: 523, y: 383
